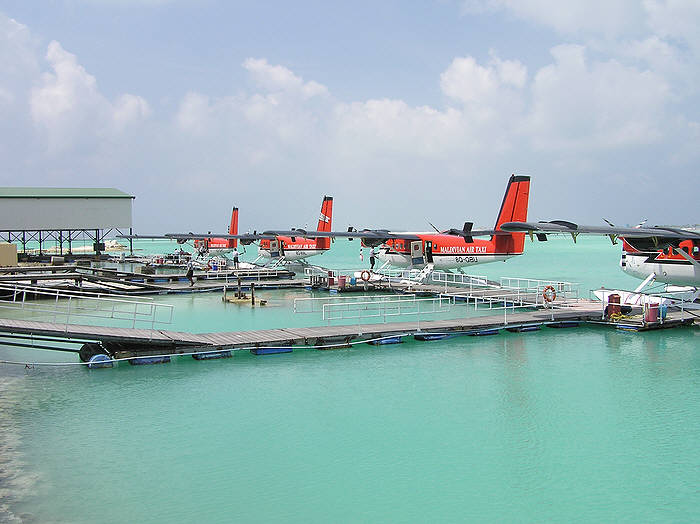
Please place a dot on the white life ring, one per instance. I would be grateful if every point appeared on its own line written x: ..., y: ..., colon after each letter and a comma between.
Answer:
x: 365, y: 275
x: 549, y: 293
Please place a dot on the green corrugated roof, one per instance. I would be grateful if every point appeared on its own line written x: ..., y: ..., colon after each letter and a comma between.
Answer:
x: 62, y: 192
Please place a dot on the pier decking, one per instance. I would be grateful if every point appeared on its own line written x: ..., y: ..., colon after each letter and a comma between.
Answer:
x: 109, y: 280
x: 135, y: 343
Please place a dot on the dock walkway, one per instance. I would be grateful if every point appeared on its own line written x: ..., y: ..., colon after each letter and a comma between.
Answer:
x: 78, y: 279
x: 133, y: 343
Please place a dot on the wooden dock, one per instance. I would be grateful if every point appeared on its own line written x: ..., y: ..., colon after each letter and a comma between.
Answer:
x: 78, y: 278
x: 141, y: 343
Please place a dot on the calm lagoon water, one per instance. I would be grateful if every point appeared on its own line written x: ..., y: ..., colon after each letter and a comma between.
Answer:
x: 585, y: 425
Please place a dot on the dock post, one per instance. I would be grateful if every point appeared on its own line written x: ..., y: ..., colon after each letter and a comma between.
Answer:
x: 252, y: 293
x: 239, y: 288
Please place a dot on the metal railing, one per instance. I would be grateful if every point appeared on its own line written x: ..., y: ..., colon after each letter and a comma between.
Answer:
x: 399, y: 273
x: 358, y: 310
x: 384, y: 307
x: 316, y: 304
x: 459, y: 280
x: 567, y: 289
x: 61, y: 306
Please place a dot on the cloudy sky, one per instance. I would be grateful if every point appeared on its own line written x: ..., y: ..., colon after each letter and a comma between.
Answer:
x: 403, y: 111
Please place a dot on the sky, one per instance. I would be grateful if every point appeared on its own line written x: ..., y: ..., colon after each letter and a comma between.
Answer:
x: 404, y: 111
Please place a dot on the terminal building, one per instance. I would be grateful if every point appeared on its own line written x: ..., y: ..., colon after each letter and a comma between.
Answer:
x: 63, y: 221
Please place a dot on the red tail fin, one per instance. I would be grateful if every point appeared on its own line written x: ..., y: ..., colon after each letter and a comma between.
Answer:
x: 513, y: 209
x: 325, y: 222
x: 233, y: 228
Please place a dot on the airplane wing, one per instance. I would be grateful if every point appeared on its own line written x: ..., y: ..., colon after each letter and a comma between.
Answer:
x: 371, y: 237
x: 541, y: 229
x: 226, y: 236
x: 379, y: 236
x: 245, y: 238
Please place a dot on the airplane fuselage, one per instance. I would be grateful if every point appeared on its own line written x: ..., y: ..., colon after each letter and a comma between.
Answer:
x: 291, y: 250
x: 667, y: 265
x: 445, y: 251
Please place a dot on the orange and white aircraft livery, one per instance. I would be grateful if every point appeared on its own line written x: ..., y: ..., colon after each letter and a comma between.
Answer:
x: 665, y: 254
x: 224, y: 244
x: 458, y: 248
x: 451, y: 249
x: 293, y: 248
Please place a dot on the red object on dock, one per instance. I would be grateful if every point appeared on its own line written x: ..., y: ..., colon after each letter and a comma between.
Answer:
x: 342, y: 279
x: 652, y: 312
x: 613, y: 304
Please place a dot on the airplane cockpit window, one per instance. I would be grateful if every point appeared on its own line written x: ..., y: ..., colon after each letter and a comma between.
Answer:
x: 648, y: 244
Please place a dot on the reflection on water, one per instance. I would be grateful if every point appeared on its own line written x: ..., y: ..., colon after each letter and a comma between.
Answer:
x: 586, y: 424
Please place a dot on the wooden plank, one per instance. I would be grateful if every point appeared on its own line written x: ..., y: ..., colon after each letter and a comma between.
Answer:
x: 271, y: 337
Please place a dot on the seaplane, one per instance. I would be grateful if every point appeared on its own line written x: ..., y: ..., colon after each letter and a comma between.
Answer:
x: 221, y: 244
x: 449, y: 249
x: 295, y: 246
x: 278, y: 246
x: 657, y: 254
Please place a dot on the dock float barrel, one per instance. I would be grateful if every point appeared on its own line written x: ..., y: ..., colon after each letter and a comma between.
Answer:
x: 211, y: 355
x: 142, y: 361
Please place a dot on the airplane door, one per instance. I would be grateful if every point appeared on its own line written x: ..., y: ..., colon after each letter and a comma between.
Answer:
x: 417, y: 253
x: 428, y: 251
x: 274, y: 248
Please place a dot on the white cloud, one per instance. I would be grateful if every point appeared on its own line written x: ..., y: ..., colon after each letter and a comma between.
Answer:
x: 578, y: 17
x: 676, y: 20
x: 279, y: 78
x: 483, y: 87
x: 287, y: 132
x: 597, y: 106
x: 392, y: 126
x: 69, y: 106
x: 17, y: 52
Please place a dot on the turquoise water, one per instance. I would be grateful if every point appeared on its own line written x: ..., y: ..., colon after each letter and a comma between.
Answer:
x: 585, y: 425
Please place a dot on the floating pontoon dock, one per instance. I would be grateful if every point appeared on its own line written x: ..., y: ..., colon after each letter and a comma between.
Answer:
x: 122, y: 343
x: 109, y: 280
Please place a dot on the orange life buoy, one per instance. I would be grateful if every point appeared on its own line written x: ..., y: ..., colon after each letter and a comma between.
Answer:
x: 365, y: 275
x: 549, y: 293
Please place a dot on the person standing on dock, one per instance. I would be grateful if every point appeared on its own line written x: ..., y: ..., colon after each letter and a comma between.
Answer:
x: 372, y: 255
x: 190, y: 272
x: 235, y: 258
